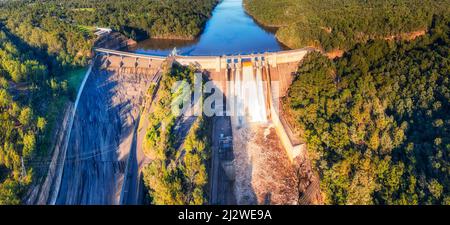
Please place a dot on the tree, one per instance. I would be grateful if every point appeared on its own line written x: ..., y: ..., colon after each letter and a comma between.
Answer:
x: 378, y: 136
x: 29, y: 144
x: 8, y: 193
x: 435, y: 189
x: 25, y: 117
x: 41, y: 124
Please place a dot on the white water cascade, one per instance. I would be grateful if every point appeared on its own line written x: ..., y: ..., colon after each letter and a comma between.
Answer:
x: 249, y: 95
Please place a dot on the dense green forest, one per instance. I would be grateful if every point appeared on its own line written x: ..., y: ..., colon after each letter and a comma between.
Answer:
x: 176, y: 175
x: 137, y: 19
x: 377, y: 120
x: 339, y: 24
x: 27, y: 86
x: 183, y: 19
x: 37, y: 48
x: 40, y: 26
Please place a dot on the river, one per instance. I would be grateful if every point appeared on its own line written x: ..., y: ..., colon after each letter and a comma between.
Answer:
x: 230, y: 30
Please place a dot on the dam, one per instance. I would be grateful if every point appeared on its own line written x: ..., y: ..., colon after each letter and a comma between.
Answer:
x: 100, y: 157
x: 252, y: 86
x: 273, y: 69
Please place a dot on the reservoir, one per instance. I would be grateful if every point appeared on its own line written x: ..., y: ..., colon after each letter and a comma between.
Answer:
x: 230, y: 31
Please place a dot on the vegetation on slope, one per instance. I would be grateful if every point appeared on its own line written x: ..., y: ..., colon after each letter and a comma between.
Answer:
x: 27, y: 86
x: 377, y: 121
x: 340, y: 24
x: 182, y: 19
x: 175, y: 176
x: 41, y: 28
x: 37, y: 48
x: 138, y: 19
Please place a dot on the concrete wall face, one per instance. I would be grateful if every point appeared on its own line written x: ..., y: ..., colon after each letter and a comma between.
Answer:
x: 220, y: 62
x: 277, y: 69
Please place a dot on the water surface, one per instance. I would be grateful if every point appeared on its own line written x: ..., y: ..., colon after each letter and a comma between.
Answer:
x: 230, y: 30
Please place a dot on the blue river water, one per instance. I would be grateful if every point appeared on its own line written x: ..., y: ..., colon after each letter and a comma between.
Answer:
x: 229, y: 31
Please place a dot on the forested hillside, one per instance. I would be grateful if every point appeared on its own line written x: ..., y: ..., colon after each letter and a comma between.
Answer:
x: 37, y: 47
x: 339, y: 24
x: 27, y: 85
x: 377, y: 120
x: 182, y: 19
x: 176, y: 175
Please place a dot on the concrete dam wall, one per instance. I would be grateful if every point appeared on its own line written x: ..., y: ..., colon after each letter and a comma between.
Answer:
x: 101, y: 137
x: 277, y: 69
x: 267, y: 78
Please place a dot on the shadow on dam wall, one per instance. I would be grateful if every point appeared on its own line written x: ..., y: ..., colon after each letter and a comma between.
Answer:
x: 102, y: 135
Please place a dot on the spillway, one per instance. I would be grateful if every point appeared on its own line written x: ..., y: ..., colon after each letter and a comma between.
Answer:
x: 264, y: 174
x: 248, y: 95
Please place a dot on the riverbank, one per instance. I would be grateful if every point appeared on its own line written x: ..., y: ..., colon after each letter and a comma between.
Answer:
x: 320, y: 24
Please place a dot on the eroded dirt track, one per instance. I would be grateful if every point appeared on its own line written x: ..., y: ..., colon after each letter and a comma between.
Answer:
x: 102, y: 136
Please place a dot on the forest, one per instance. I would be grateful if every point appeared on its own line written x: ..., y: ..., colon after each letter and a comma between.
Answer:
x: 340, y: 24
x: 177, y: 174
x: 140, y: 19
x: 42, y: 29
x: 27, y: 85
x: 40, y: 41
x: 36, y: 49
x: 377, y: 120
